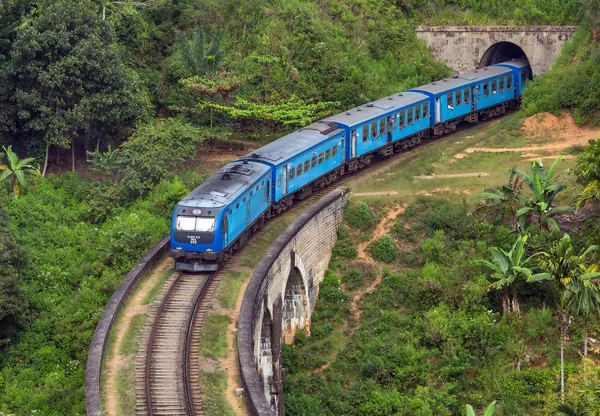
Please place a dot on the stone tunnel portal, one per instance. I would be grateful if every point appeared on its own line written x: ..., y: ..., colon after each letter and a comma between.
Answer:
x: 501, y: 52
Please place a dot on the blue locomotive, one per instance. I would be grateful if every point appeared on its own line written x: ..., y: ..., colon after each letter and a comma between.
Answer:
x: 219, y: 216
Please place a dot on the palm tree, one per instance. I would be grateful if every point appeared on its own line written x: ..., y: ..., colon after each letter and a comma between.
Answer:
x: 17, y: 169
x: 503, y: 201
x: 489, y: 411
x: 510, y: 270
x: 543, y: 194
x: 586, y: 299
x: 588, y: 172
x: 572, y: 274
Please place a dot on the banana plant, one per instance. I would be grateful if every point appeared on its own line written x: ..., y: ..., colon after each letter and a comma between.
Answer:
x: 489, y: 411
x: 510, y: 270
x: 543, y: 193
x: 16, y: 169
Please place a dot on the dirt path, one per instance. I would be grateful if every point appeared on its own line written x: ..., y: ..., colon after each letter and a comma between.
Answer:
x: 355, y: 311
x: 230, y: 364
x: 116, y: 362
x: 381, y: 193
x: 453, y: 175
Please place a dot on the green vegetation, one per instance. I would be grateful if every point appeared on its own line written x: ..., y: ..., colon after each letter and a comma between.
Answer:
x: 129, y: 345
x: 213, y: 338
x: 229, y: 288
x: 214, y: 402
x: 126, y: 390
x: 158, y: 286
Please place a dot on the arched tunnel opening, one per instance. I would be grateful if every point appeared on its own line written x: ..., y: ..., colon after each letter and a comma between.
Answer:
x: 294, y: 305
x: 502, y: 52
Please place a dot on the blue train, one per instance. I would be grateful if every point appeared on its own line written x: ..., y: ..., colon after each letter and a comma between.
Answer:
x: 219, y: 216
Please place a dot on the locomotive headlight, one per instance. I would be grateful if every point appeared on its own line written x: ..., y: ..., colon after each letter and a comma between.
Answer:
x: 209, y: 249
x: 197, y: 211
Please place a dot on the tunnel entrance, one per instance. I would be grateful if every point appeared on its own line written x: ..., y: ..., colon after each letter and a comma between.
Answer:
x: 265, y: 353
x: 501, y: 52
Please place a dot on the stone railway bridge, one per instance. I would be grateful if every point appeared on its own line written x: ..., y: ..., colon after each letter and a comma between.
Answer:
x: 463, y: 48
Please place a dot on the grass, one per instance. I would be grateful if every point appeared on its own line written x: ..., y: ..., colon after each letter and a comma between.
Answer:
x: 157, y: 288
x: 214, y: 402
x: 126, y: 389
x: 438, y: 157
x: 229, y: 288
x: 130, y: 343
x: 213, y: 337
x: 253, y: 252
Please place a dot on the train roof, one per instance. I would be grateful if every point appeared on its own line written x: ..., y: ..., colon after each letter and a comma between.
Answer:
x: 462, y: 80
x: 517, y: 63
x: 376, y: 109
x: 225, y: 185
x: 295, y: 143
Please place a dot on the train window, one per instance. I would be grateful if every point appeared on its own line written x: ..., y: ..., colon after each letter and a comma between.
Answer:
x: 230, y: 211
x: 342, y: 143
x: 244, y: 201
x: 425, y: 109
x: 466, y: 95
x: 292, y: 173
x: 334, y: 151
x: 279, y: 181
x: 237, y: 206
x: 381, y: 126
x: 365, y: 133
x: 458, y: 98
x: 313, y: 162
x: 321, y: 157
x: 501, y: 81
x: 449, y: 98
x: 374, y: 129
x: 486, y: 89
x: 263, y: 182
x: 523, y: 76
x: 206, y: 225
x: 410, y: 113
x: 299, y: 170
x: 418, y: 112
x: 257, y: 187
x: 494, y: 86
x: 327, y: 154
x: 185, y: 223
x: 306, y: 165
x: 402, y: 119
x: 509, y: 79
x: 251, y: 193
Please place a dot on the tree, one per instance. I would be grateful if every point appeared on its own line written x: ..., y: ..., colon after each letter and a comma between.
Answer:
x: 67, y: 79
x: 12, y: 303
x: 16, y: 169
x: 543, y: 194
x: 489, y: 411
x: 199, y: 58
x: 510, y: 270
x: 571, y: 273
x: 588, y: 173
x: 503, y: 201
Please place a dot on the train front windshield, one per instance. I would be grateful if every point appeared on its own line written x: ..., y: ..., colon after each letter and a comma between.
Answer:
x: 205, y: 225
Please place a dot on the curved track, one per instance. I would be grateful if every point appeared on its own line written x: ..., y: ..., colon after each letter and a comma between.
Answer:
x: 164, y: 367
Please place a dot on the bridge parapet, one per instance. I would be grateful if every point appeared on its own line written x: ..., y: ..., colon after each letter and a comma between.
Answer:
x: 465, y: 47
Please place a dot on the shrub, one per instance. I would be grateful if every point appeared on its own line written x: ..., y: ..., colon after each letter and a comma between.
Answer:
x: 384, y: 249
x: 360, y: 217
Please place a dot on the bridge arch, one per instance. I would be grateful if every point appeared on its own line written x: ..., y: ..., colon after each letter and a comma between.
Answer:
x: 295, y: 301
x: 265, y: 353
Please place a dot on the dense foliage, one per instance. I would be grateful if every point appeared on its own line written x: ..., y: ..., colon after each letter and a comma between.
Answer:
x: 431, y: 336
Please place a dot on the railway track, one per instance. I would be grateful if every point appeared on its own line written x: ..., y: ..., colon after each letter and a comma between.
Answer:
x: 167, y: 364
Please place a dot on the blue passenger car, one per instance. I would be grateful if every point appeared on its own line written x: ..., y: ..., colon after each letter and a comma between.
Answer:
x: 521, y: 73
x: 302, y: 157
x: 455, y: 97
x: 383, y: 122
x: 214, y: 215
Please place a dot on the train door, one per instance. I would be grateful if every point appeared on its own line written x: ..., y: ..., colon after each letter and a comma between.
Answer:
x: 284, y: 182
x: 225, y: 229
x: 475, y: 95
x: 267, y: 193
x: 438, y: 110
x: 353, y: 145
x: 249, y: 210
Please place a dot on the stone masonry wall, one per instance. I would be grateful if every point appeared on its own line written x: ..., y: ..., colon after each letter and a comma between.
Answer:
x: 306, y: 245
